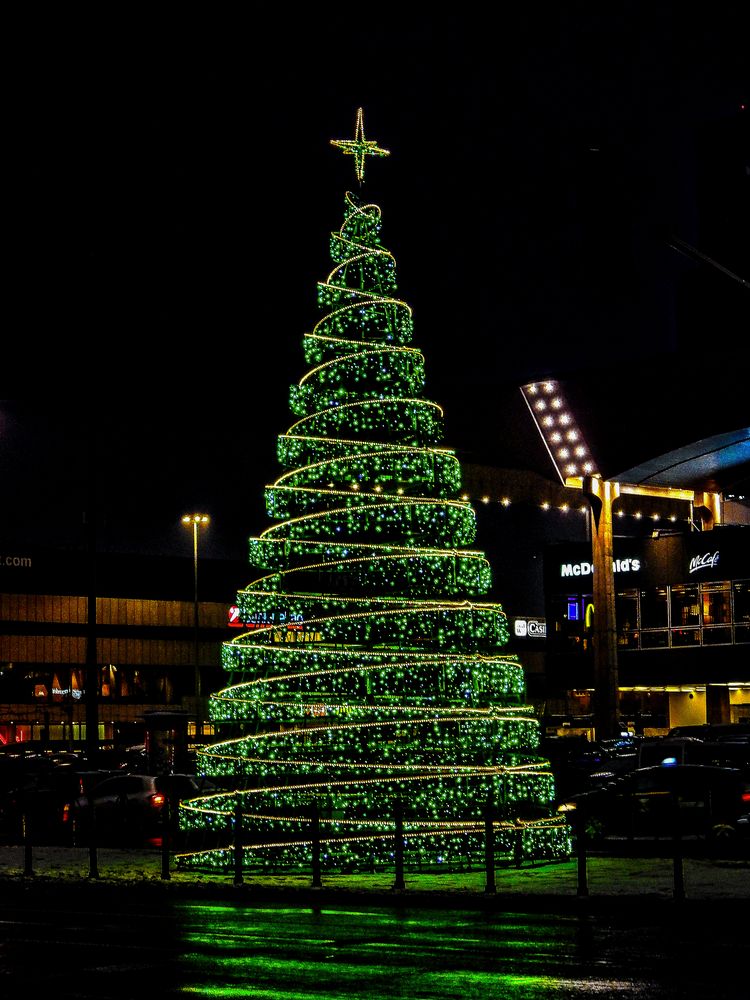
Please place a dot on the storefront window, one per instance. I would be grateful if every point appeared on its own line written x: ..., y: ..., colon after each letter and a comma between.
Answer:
x: 686, y: 637
x: 20, y: 684
x: 626, y: 610
x: 645, y: 710
x: 628, y: 640
x: 715, y: 603
x: 742, y: 601
x: 717, y: 635
x: 685, y: 607
x: 567, y: 614
x: 654, y: 608
x: 654, y: 640
x: 626, y: 616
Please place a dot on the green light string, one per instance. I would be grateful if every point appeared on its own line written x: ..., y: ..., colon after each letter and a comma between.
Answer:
x: 371, y: 667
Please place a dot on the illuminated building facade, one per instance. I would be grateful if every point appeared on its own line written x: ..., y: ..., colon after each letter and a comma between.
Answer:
x: 682, y: 608
x: 680, y: 601
x: 646, y: 617
x: 144, y: 637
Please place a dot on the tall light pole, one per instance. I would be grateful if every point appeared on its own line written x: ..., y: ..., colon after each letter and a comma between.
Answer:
x: 196, y: 520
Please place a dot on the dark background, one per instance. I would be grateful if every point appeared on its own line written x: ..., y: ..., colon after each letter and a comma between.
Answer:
x: 172, y: 192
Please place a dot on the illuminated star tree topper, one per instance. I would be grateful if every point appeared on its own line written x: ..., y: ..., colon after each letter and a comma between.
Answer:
x: 359, y: 147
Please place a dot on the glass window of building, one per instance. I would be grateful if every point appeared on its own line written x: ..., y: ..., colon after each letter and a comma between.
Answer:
x: 654, y: 639
x: 686, y: 637
x: 654, y: 612
x: 716, y: 603
x: 741, y: 610
x: 626, y: 616
x: 567, y: 614
x: 626, y: 609
x: 741, y: 596
x: 717, y: 635
x: 716, y: 610
x: 685, y: 607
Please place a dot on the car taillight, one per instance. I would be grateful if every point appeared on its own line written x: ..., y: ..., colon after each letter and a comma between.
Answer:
x: 745, y: 796
x: 66, y: 812
x: 157, y: 800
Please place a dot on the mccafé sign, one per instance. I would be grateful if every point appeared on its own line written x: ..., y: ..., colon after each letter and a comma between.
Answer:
x: 584, y: 568
x: 706, y: 561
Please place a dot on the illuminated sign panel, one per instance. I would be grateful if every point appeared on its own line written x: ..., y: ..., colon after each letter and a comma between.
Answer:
x: 297, y: 636
x: 705, y: 556
x: 286, y: 627
x: 264, y: 619
x: 586, y: 568
x: 530, y: 628
x: 706, y: 561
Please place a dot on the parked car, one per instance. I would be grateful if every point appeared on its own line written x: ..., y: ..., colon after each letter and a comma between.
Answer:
x: 131, y: 808
x: 694, y: 800
x: 713, y: 731
x: 53, y: 802
x: 20, y: 772
x: 38, y: 800
x: 692, y: 750
x: 579, y: 764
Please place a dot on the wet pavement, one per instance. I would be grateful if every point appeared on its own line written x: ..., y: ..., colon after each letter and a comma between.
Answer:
x: 132, y: 935
x: 142, y: 929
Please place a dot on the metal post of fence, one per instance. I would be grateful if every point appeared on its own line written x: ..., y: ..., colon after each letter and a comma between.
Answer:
x: 489, y: 847
x: 166, y: 837
x: 238, y: 877
x: 93, y: 862
x: 679, y: 878
x: 28, y: 866
x: 580, y: 831
x: 398, y: 812
x: 518, y: 845
x: 315, y: 819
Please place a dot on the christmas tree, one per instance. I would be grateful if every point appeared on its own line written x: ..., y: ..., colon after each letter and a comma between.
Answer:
x: 371, y: 676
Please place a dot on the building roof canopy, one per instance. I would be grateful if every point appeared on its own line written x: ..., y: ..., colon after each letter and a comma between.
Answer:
x: 667, y: 424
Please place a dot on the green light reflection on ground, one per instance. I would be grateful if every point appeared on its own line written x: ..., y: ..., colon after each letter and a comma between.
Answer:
x: 307, y: 954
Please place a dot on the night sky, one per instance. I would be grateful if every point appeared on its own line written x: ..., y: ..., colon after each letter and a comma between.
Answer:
x: 175, y: 188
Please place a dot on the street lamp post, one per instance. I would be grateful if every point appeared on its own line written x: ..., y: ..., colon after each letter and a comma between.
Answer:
x: 196, y: 520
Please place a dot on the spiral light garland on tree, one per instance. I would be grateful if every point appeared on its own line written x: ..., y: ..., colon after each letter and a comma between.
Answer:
x: 371, y: 673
